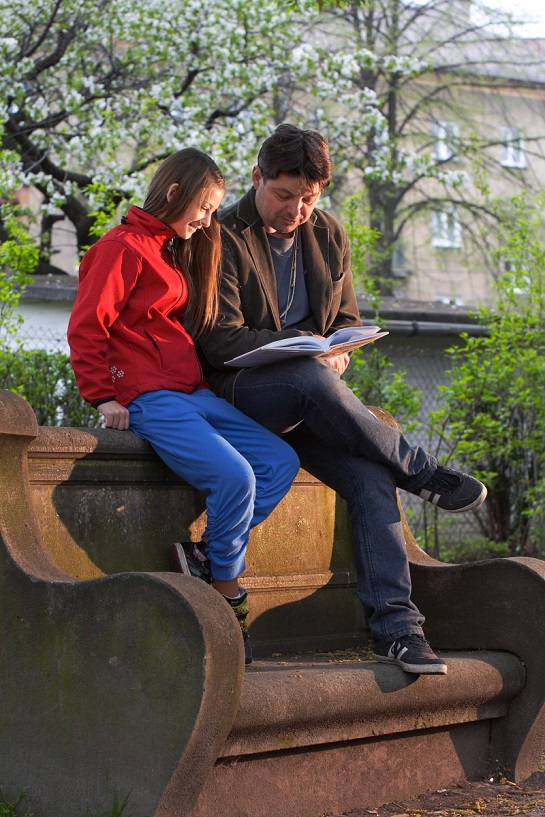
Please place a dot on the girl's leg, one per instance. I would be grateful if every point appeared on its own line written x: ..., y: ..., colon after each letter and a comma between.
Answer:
x: 274, y: 463
x: 204, y: 440
x: 243, y: 469
x: 197, y: 453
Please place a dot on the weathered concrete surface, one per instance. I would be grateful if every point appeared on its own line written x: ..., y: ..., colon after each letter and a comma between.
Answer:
x: 101, y: 648
x: 365, y: 699
x: 317, y: 735
x: 348, y: 776
x: 496, y: 604
x: 106, y: 504
x: 121, y: 685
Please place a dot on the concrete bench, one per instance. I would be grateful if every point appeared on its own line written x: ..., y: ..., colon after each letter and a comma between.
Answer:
x: 119, y: 678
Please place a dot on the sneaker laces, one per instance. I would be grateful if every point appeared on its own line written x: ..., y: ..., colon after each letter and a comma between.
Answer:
x: 442, y: 480
x: 414, y: 639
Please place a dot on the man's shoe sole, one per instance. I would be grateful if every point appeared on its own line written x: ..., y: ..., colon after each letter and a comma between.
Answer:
x: 415, y: 669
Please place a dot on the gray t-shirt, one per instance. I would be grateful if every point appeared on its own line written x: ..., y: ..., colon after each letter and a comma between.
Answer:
x: 282, y: 250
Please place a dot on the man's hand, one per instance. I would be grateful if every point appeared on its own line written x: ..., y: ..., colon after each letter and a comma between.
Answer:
x: 338, y: 362
x: 115, y: 415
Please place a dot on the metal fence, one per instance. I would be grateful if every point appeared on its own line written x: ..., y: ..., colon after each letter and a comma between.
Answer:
x: 424, y: 362
x: 40, y: 337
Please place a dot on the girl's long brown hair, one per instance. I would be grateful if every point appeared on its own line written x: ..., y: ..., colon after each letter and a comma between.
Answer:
x: 196, y: 175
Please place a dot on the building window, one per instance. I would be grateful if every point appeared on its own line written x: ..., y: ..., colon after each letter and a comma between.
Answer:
x: 445, y: 228
x: 445, y: 140
x: 399, y: 261
x: 513, y: 153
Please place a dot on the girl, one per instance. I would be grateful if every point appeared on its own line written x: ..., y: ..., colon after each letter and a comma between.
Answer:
x: 146, y: 289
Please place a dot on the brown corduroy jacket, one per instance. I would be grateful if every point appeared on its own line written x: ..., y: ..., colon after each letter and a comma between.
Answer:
x: 248, y: 315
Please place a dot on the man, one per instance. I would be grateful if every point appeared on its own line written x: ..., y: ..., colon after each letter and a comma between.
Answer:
x: 286, y: 272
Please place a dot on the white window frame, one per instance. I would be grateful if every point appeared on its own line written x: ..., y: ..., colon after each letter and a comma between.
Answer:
x: 446, y: 231
x: 513, y: 152
x: 446, y: 136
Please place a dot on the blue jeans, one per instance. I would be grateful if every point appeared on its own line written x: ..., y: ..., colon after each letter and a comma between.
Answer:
x: 347, y: 448
x: 242, y: 468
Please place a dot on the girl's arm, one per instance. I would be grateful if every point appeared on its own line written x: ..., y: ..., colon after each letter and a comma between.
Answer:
x: 108, y: 273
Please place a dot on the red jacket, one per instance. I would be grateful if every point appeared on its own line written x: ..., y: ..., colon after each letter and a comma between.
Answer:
x: 124, y: 332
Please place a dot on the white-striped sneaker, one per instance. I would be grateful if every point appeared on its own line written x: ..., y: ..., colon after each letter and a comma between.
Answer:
x: 413, y: 654
x: 452, y: 491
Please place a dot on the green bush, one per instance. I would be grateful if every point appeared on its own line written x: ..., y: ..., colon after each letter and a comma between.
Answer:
x: 9, y: 808
x: 474, y: 550
x: 371, y: 378
x: 46, y: 381
x: 493, y: 414
x: 18, y: 259
x: 370, y: 374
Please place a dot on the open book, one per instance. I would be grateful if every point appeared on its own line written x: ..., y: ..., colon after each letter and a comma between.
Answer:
x: 343, y: 340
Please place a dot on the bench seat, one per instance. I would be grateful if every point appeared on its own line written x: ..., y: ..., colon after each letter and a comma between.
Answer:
x: 120, y: 678
x: 323, y: 733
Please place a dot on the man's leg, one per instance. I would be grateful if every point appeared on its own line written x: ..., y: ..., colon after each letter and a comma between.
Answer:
x: 281, y: 395
x: 307, y: 389
x: 384, y: 583
x: 363, y: 460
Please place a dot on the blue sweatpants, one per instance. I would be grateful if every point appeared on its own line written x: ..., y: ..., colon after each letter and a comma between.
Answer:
x: 243, y: 469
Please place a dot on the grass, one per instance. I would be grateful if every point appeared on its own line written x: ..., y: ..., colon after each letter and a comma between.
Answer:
x: 117, y: 809
x: 10, y: 808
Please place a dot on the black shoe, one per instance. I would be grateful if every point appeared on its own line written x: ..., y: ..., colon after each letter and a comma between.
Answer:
x: 189, y: 559
x: 413, y: 654
x: 452, y: 490
x: 240, y: 608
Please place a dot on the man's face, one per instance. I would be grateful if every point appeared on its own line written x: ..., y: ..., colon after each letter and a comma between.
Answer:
x: 285, y: 202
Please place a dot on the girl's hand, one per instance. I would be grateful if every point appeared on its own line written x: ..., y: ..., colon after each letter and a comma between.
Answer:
x: 115, y: 415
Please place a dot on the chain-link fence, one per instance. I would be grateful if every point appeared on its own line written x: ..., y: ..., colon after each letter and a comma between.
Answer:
x: 45, y: 338
x: 424, y: 363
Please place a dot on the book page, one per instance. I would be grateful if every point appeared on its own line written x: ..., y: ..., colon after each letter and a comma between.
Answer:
x: 306, y: 346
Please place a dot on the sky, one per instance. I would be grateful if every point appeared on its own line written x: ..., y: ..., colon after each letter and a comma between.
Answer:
x: 525, y: 10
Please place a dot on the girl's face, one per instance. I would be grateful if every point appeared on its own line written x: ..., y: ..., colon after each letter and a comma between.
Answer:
x: 199, y: 212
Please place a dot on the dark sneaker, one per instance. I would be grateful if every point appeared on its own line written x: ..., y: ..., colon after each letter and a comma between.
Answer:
x: 413, y: 654
x: 240, y: 608
x: 453, y: 491
x: 189, y: 558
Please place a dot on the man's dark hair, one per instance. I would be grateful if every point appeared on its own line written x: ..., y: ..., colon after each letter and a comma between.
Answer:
x: 303, y: 153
